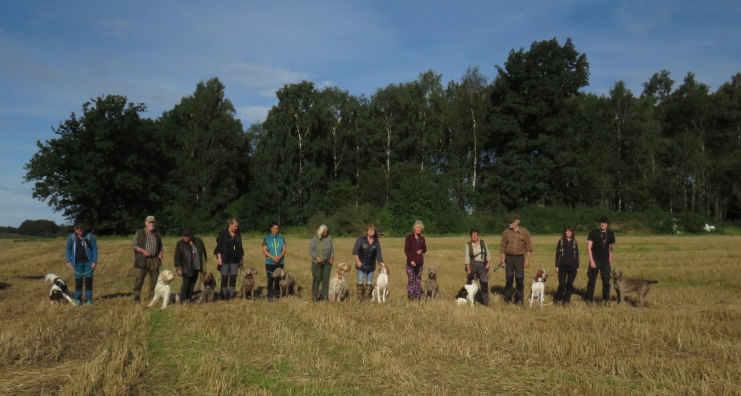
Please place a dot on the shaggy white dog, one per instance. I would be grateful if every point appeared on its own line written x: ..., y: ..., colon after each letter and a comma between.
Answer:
x: 59, y: 291
x: 162, y: 289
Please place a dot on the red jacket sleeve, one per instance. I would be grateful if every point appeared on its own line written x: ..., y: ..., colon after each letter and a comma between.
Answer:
x: 409, y: 248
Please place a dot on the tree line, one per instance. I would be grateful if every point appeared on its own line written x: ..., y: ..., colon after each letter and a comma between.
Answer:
x: 456, y: 153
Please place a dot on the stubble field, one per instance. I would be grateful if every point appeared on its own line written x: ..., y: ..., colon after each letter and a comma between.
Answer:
x: 686, y: 341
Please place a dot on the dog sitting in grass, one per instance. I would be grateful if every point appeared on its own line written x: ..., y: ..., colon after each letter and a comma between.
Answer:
x: 162, y: 289
x: 431, y: 288
x: 249, y: 284
x: 338, y: 285
x: 209, y: 288
x: 286, y: 282
x: 625, y: 285
x: 59, y: 291
x: 469, y: 293
x: 381, y: 290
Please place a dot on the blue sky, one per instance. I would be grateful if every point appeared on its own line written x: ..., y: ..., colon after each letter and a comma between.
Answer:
x: 56, y: 55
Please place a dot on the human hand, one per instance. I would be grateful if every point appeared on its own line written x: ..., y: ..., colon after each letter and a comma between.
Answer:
x: 592, y: 264
x: 419, y: 251
x: 92, y: 266
x: 413, y: 264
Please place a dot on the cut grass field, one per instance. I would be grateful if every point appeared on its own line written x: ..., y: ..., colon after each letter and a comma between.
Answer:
x: 686, y: 341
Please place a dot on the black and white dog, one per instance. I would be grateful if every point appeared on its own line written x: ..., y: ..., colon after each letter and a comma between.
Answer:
x: 59, y: 291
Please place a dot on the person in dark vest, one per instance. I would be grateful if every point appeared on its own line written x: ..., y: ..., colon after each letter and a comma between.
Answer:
x: 367, y: 253
x: 516, y: 249
x: 415, y: 247
x: 274, y: 250
x: 567, y: 262
x: 229, y: 257
x: 477, y: 263
x: 82, y: 258
x: 601, y: 247
x: 190, y: 260
x: 147, y: 256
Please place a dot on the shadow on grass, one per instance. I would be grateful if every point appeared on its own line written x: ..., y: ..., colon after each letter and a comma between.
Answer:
x: 4, y: 285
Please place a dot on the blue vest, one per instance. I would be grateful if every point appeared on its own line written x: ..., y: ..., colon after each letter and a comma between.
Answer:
x: 274, y: 244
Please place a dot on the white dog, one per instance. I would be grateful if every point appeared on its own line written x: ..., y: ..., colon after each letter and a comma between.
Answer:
x: 381, y: 291
x: 162, y: 289
x: 537, y: 289
x: 467, y: 295
x: 59, y: 290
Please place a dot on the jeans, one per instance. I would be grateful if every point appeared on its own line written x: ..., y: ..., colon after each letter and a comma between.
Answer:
x: 364, y: 277
x: 603, y: 268
x: 566, y: 278
x: 83, y: 277
x: 320, y: 280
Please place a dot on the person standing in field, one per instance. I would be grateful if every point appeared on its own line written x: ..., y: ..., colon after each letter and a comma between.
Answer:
x: 321, y: 250
x: 229, y: 257
x: 415, y: 248
x: 274, y: 250
x: 190, y: 260
x: 367, y: 253
x: 601, y: 247
x: 515, y: 249
x: 567, y: 262
x: 82, y: 257
x: 477, y: 263
x: 147, y: 256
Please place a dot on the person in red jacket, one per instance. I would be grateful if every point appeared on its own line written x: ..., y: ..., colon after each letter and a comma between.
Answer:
x: 415, y: 248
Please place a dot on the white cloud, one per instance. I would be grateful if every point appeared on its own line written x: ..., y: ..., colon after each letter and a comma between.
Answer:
x: 254, y: 114
x: 265, y: 79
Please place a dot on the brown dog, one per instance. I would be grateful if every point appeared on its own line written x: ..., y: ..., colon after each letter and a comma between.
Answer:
x: 209, y: 288
x: 249, y: 284
x: 286, y: 282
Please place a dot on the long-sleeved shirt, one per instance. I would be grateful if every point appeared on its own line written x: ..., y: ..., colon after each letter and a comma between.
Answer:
x: 321, y: 248
x: 230, y: 248
x: 411, y: 245
x: 567, y: 254
x: 369, y: 253
x: 516, y: 243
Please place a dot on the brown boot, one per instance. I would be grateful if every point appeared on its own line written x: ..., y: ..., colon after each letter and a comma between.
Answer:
x: 360, y: 291
x: 369, y: 292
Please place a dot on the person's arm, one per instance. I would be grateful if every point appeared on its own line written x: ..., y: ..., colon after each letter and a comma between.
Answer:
x: 331, y: 251
x: 576, y: 251
x: 558, y: 253
x: 356, y: 253
x: 503, y: 248
x: 379, y: 254
x: 138, y: 249
x: 467, y: 260
x: 68, y: 256
x: 313, y: 249
x: 162, y: 248
x: 612, y: 247
x: 590, y: 243
x: 93, y: 251
x: 178, y: 260
x: 217, y: 250
x: 424, y: 246
x: 284, y: 250
x: 408, y: 250
x: 265, y: 251
x: 529, y: 248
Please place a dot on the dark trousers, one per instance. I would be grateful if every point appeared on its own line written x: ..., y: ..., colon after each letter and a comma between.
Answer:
x: 603, y: 269
x: 186, y: 289
x: 320, y: 280
x: 273, y: 284
x: 515, y: 271
x: 566, y: 278
x: 87, y: 282
x: 151, y: 268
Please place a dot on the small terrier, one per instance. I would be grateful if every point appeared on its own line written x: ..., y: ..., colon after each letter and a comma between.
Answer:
x: 431, y: 288
x: 381, y: 291
x: 537, y: 289
x: 162, y: 289
x: 249, y: 284
x: 209, y: 288
x: 338, y: 285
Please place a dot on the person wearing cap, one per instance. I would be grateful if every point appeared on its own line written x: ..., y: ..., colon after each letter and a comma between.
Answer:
x: 229, y: 257
x: 82, y: 257
x: 601, y: 247
x: 274, y: 250
x: 515, y: 249
x: 190, y: 260
x: 415, y: 247
x: 147, y: 256
x: 321, y: 250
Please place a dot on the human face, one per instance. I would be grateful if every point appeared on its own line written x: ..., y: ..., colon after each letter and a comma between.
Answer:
x: 275, y: 229
x: 418, y: 229
x: 79, y: 231
x: 475, y: 236
x: 603, y: 226
x: 371, y: 233
x: 186, y: 239
x: 515, y: 224
x: 325, y: 232
x: 149, y: 226
x: 234, y: 227
x: 569, y: 234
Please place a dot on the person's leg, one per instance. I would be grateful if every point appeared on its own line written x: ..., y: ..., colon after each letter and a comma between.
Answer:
x: 509, y: 269
x: 569, y: 288
x: 316, y: 280
x: 605, y: 273
x: 418, y: 282
x: 138, y: 283
x: 325, y: 274
x: 153, y: 274
x: 89, y: 289
x: 484, y: 281
x: 519, y: 266
x: 233, y: 280
x: 591, y: 283
x: 361, y: 277
x: 561, y: 291
x: 369, y: 285
x: 411, y: 279
x: 78, y: 288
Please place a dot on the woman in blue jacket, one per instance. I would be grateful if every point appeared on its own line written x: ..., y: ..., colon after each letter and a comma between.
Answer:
x: 82, y: 258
